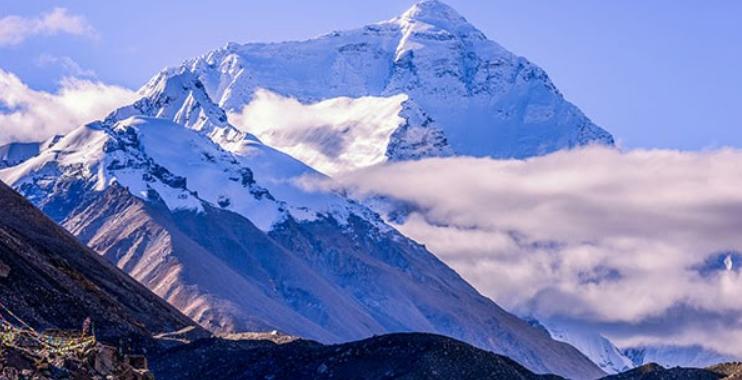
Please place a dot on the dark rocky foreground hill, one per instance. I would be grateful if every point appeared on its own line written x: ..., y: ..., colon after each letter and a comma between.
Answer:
x: 652, y: 371
x: 393, y: 356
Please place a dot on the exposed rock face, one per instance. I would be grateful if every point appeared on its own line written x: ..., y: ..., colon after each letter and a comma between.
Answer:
x: 53, y: 281
x: 732, y: 370
x: 417, y: 137
x: 396, y: 356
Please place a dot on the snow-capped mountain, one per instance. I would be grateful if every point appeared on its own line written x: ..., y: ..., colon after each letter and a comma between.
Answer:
x: 595, y: 346
x: 215, y: 222
x: 676, y: 356
x: 426, y: 83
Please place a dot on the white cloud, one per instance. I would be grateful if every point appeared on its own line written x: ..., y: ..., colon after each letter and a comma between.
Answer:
x: 595, y: 235
x: 69, y: 65
x: 30, y: 115
x: 332, y: 136
x: 16, y: 29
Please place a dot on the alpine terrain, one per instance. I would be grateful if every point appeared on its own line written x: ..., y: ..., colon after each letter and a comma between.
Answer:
x: 215, y: 218
x: 216, y: 223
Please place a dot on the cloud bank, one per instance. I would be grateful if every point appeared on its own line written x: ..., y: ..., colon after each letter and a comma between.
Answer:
x: 16, y: 29
x: 30, y: 115
x: 332, y: 136
x: 641, y: 244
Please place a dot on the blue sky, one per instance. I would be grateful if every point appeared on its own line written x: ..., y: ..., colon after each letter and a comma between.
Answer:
x: 656, y: 74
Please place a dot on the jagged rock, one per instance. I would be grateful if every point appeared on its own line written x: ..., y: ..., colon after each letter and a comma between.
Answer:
x: 733, y: 370
x: 98, y: 363
x: 104, y: 361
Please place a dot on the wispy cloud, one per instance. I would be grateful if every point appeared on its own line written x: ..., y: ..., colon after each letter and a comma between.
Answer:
x: 627, y: 241
x: 30, y: 115
x: 16, y: 29
x: 69, y: 65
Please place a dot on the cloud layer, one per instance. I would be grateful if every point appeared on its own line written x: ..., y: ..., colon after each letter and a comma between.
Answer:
x: 332, y: 136
x: 30, y: 115
x: 640, y: 244
x: 16, y: 29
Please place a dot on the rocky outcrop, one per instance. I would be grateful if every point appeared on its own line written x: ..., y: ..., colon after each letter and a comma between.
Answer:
x: 97, y: 363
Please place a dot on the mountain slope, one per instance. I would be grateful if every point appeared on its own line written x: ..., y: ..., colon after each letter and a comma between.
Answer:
x: 476, y: 97
x: 232, y: 240
x: 50, y: 280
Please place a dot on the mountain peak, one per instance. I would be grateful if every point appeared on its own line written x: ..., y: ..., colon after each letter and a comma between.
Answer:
x: 433, y: 12
x: 171, y: 81
x: 177, y: 95
x: 180, y: 96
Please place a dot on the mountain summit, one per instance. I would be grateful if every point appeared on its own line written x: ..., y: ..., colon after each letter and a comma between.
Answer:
x: 477, y: 98
x: 434, y: 13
